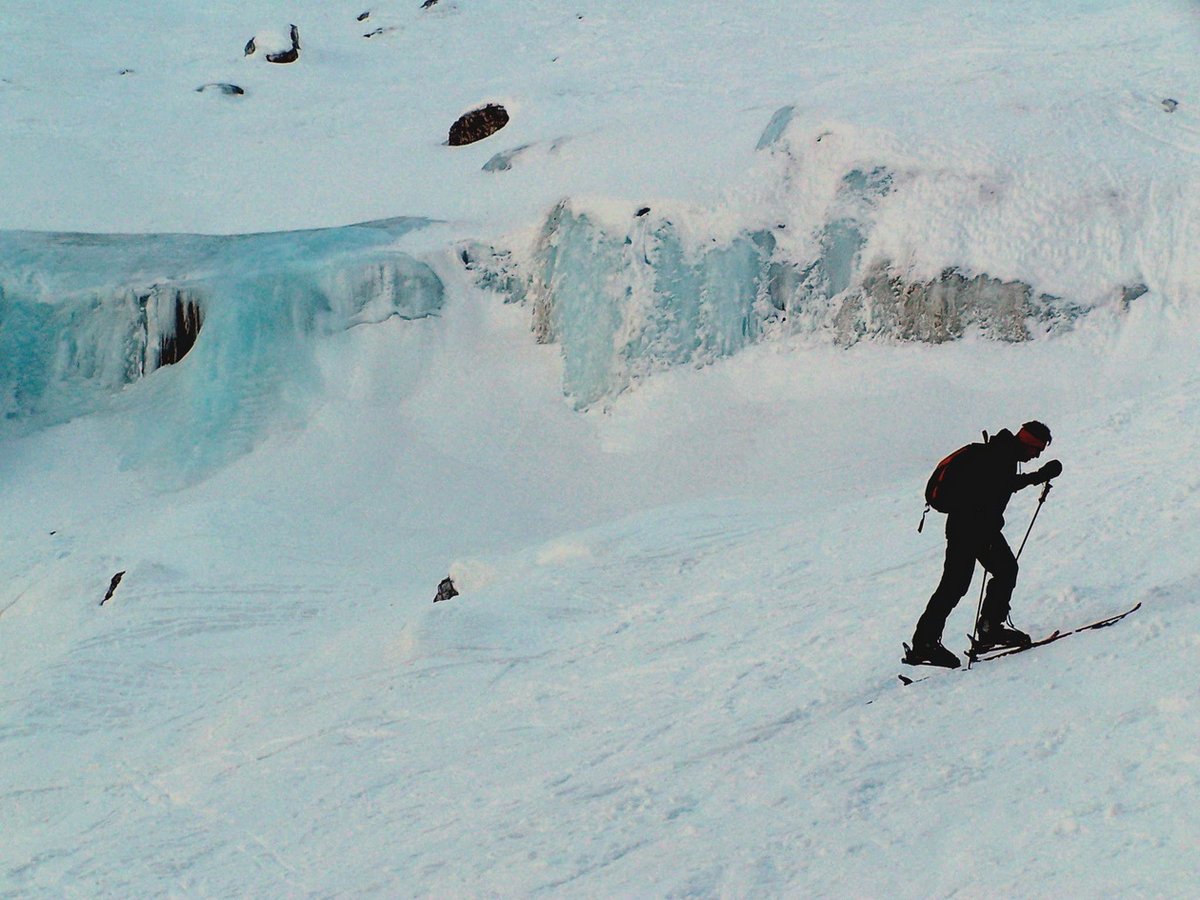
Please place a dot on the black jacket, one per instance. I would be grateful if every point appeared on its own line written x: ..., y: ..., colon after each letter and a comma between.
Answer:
x: 989, y: 479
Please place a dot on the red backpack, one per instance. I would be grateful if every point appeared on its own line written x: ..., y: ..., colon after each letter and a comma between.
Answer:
x: 948, y: 483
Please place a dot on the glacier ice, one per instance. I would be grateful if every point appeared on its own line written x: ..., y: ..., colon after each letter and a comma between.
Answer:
x: 776, y: 128
x: 83, y: 317
x: 531, y: 153
x: 624, y: 303
x: 503, y: 161
x: 625, y: 306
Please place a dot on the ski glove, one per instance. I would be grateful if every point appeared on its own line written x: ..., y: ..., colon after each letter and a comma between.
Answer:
x: 1050, y: 470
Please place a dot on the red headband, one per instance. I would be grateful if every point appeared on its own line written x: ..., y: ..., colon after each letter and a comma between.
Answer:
x: 1029, y: 439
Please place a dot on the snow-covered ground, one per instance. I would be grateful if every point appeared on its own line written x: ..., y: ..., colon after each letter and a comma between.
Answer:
x: 672, y: 667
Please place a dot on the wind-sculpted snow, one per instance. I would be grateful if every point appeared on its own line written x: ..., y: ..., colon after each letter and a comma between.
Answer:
x: 83, y: 317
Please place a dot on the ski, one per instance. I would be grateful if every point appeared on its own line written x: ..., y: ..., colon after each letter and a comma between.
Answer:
x: 996, y: 652
x: 1054, y: 636
x: 1057, y: 636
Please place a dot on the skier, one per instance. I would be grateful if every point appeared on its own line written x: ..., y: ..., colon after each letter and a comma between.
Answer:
x: 985, y: 482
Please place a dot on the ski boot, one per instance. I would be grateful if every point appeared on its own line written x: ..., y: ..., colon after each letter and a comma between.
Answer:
x: 996, y: 636
x: 929, y: 653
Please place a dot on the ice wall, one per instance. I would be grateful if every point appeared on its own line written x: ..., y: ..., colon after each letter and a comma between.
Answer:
x: 623, y: 306
x: 660, y: 293
x: 84, y: 317
x: 836, y: 233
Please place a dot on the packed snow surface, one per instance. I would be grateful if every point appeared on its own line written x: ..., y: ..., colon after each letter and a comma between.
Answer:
x: 683, y: 525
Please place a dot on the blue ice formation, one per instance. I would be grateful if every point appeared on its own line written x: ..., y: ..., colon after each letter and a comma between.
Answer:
x: 776, y: 127
x: 624, y: 304
x: 83, y: 317
x: 503, y: 161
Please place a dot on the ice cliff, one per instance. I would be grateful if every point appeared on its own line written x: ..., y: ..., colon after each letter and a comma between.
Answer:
x: 840, y: 234
x: 83, y: 317
x: 663, y: 291
x: 835, y: 235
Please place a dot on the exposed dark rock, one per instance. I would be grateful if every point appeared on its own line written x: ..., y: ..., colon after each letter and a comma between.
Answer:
x: 478, y: 124
x: 377, y: 32
x: 641, y: 212
x: 127, y: 72
x: 428, y: 3
x: 112, y: 587
x: 362, y: 17
x: 445, y: 590
x: 939, y: 310
x: 288, y: 56
x: 250, y: 47
x: 1170, y: 105
x: 223, y: 87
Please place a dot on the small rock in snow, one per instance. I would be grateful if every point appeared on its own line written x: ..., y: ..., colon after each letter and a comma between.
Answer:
x: 1170, y: 105
x: 478, y: 124
x: 290, y: 55
x: 445, y: 590
x: 224, y: 87
x: 112, y: 587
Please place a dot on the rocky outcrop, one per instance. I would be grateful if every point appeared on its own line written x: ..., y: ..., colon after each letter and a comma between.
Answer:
x: 478, y: 124
x: 935, y: 311
x: 623, y: 304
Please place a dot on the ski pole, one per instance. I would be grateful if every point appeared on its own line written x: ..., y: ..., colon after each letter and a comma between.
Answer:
x: 1041, y: 500
x: 978, y: 613
x: 979, y: 608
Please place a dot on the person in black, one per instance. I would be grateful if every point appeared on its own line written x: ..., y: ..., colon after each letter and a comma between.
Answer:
x: 973, y: 532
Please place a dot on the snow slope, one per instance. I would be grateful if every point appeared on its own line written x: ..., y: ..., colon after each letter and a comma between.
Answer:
x: 671, y: 671
x: 698, y: 697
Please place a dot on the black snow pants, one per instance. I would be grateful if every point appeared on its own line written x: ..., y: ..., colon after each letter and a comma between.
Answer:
x: 967, y: 540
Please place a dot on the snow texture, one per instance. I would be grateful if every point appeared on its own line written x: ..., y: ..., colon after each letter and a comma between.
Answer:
x: 656, y: 375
